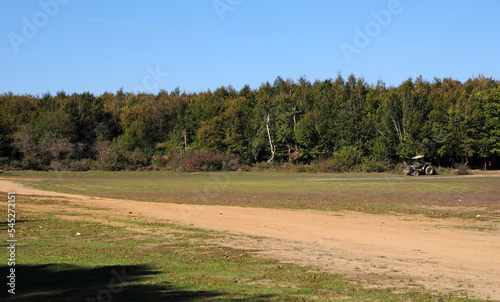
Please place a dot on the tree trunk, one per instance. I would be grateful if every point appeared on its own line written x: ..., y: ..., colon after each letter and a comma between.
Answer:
x: 185, y: 140
x: 273, y: 148
x: 294, y: 118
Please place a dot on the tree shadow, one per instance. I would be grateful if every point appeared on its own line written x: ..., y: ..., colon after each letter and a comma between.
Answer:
x: 4, y: 225
x: 63, y: 282
x: 60, y: 282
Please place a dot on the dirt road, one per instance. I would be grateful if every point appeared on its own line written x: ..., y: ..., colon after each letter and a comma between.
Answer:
x: 440, y: 254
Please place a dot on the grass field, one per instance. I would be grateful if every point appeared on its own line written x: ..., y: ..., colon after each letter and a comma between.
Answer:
x: 119, y: 259
x: 435, y: 196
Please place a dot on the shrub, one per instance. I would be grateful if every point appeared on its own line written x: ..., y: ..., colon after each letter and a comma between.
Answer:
x: 135, y: 159
x: 264, y: 166
x: 58, y: 165
x: 178, y: 162
x: 461, y: 169
x: 372, y: 165
x: 4, y: 163
x: 84, y: 164
x: 347, y: 158
x: 159, y: 161
x: 325, y: 165
x: 200, y: 160
x: 114, y: 156
x: 14, y: 165
x: 229, y: 162
x: 31, y: 162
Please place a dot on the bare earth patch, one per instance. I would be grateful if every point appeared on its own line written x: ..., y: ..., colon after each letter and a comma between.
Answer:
x: 447, y: 255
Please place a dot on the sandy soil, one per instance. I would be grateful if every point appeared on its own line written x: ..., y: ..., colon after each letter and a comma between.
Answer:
x: 446, y: 255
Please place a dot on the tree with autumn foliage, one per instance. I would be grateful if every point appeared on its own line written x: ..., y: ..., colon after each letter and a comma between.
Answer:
x: 341, y: 124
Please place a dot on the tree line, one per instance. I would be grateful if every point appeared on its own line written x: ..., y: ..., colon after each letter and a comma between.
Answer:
x: 336, y: 124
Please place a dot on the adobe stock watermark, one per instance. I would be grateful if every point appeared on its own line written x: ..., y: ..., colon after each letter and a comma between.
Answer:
x: 364, y: 36
x: 211, y: 190
x: 224, y: 6
x: 11, y: 242
x: 151, y: 80
x: 31, y: 26
x: 115, y: 286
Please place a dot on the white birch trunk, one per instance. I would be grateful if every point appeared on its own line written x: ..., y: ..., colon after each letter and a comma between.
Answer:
x: 273, y: 148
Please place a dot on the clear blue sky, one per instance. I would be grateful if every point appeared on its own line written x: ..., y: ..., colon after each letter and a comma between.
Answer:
x: 100, y: 46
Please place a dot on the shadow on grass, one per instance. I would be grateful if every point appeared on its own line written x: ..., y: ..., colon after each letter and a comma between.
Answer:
x: 4, y: 225
x: 62, y: 282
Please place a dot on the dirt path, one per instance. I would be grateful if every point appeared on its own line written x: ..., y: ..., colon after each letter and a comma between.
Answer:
x: 444, y: 255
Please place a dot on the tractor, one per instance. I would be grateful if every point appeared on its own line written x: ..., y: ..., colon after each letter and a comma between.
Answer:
x: 418, y: 166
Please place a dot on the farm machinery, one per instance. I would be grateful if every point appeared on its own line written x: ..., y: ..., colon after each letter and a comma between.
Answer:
x: 418, y: 166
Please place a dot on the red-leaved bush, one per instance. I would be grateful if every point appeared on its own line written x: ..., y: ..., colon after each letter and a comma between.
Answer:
x: 201, y: 160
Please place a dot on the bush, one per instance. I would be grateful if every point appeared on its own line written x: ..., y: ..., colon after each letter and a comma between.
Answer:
x: 159, y: 161
x: 347, y: 158
x: 135, y: 160
x: 200, y: 160
x: 14, y: 165
x: 326, y: 165
x: 264, y: 166
x: 4, y: 163
x: 178, y: 162
x: 58, y: 165
x: 350, y: 161
x: 114, y: 156
x: 31, y: 162
x: 296, y: 168
x: 461, y: 169
x: 84, y: 164
x: 230, y: 162
x: 372, y: 165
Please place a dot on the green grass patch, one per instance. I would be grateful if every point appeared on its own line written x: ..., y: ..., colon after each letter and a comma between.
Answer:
x: 379, y: 193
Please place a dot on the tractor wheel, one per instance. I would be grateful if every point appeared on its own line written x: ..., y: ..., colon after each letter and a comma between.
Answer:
x: 429, y: 170
x: 416, y: 173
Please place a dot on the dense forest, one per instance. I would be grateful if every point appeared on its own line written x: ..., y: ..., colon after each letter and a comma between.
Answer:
x: 333, y: 125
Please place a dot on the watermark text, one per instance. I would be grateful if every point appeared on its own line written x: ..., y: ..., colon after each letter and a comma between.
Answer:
x: 11, y: 242
x: 151, y: 80
x: 224, y: 6
x: 364, y: 36
x: 115, y: 286
x: 31, y: 26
